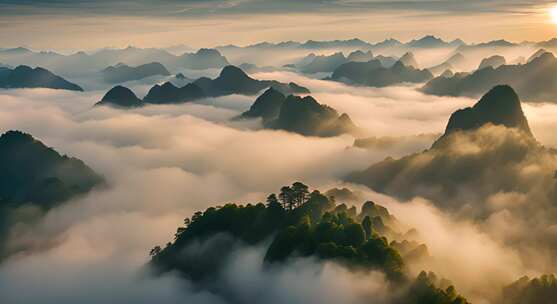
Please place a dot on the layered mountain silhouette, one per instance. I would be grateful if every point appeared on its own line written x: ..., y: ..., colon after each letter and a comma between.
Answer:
x: 168, y: 93
x: 372, y: 73
x: 302, y: 115
x: 535, y: 81
x: 409, y: 60
x: 483, y: 152
x: 81, y: 62
x: 203, y: 59
x: 27, y: 77
x: 493, y: 62
x: 328, y: 63
x: 122, y: 72
x: 455, y: 62
x: 537, y: 54
x: 120, y: 97
x: 232, y: 80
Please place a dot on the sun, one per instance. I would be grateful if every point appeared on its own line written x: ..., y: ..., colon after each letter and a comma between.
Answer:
x: 553, y: 14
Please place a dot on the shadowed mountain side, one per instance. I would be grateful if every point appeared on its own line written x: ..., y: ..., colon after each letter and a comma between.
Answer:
x: 168, y: 93
x: 120, y: 97
x: 232, y: 80
x: 202, y: 59
x: 373, y: 74
x: 482, y: 153
x: 295, y: 114
x: 33, y: 172
x: 493, y: 62
x: 535, y: 81
x: 34, y: 179
x: 500, y: 106
x: 122, y: 73
x: 26, y: 77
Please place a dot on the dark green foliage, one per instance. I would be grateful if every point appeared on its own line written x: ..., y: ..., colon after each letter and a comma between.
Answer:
x: 531, y: 291
x: 27, y: 77
x: 424, y: 291
x: 303, y: 225
x: 315, y: 227
x: 36, y: 178
x: 32, y: 172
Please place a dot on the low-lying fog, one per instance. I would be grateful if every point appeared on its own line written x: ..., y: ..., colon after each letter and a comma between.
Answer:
x: 165, y: 162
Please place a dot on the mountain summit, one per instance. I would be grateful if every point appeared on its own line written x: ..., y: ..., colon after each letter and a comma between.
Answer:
x: 500, y: 106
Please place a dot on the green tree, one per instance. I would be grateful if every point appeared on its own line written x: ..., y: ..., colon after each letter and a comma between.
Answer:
x: 366, y: 224
x: 300, y: 193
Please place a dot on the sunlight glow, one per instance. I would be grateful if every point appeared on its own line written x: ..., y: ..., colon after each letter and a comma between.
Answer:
x: 553, y: 14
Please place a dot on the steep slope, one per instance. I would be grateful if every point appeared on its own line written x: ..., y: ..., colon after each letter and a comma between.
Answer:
x: 26, y: 77
x: 121, y: 97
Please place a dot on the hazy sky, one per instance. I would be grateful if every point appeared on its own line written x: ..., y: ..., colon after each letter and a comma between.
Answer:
x: 83, y: 24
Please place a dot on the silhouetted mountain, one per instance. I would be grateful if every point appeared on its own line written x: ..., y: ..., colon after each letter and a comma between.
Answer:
x: 386, y: 61
x: 359, y: 56
x: 530, y: 291
x: 535, y: 81
x: 26, y: 77
x: 409, y: 60
x: 122, y: 97
x: 233, y: 80
x: 484, y: 151
x: 455, y: 62
x: 203, y: 59
x: 447, y: 74
x: 500, y: 106
x: 168, y: 93
x: 493, y: 62
x: 267, y: 106
x: 323, y: 63
x: 307, y: 117
x: 428, y: 42
x: 122, y: 73
x: 299, y: 115
x: 373, y: 74
x: 34, y: 173
x: 537, y: 54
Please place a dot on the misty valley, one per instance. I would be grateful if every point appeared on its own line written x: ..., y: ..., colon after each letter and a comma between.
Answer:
x: 297, y: 168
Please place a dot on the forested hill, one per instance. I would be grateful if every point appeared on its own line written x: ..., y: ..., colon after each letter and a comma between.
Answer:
x: 298, y: 223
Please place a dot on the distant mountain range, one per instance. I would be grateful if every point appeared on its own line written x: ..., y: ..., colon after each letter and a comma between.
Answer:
x: 81, y: 62
x: 122, y: 72
x: 302, y: 115
x: 323, y: 63
x: 373, y: 74
x: 535, y: 81
x: 231, y: 80
x: 26, y: 77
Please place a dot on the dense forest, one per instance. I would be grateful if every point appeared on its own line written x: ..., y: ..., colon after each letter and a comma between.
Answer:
x: 299, y: 223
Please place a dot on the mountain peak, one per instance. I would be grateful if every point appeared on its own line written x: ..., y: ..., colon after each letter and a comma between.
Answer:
x: 500, y: 106
x: 232, y: 72
x: 122, y: 97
